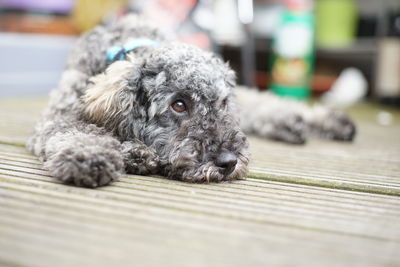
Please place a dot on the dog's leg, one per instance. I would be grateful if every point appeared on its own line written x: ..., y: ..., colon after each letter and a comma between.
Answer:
x: 330, y: 124
x: 283, y: 126
x: 78, y: 153
x: 72, y: 150
x: 86, y: 155
x: 268, y: 116
x: 139, y: 158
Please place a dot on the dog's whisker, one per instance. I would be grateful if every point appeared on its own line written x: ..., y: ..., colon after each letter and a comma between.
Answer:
x: 209, y: 170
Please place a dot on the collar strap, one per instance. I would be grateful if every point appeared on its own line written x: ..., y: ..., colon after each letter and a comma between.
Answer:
x: 116, y: 52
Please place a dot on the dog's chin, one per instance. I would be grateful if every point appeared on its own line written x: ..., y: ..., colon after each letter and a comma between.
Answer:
x: 208, y: 172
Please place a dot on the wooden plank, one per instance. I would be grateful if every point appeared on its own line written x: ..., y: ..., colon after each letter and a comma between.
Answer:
x: 152, y: 221
x: 307, y: 214
x: 153, y: 188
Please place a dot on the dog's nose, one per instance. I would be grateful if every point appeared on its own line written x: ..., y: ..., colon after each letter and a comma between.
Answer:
x: 227, y: 161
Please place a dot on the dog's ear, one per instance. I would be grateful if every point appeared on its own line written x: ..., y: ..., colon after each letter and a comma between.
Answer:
x: 110, y: 96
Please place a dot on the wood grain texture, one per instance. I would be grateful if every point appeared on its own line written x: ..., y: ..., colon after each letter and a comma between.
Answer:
x: 154, y: 221
x: 322, y: 204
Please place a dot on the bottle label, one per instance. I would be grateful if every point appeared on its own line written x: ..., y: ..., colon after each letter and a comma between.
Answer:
x: 293, y: 52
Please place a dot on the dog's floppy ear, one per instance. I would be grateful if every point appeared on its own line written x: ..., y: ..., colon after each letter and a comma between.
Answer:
x: 109, y: 96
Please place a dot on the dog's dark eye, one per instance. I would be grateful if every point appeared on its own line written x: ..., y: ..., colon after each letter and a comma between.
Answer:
x: 179, y: 106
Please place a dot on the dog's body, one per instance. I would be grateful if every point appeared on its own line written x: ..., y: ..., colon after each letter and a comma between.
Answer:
x: 167, y: 109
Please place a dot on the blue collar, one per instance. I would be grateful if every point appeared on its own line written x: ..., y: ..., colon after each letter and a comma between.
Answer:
x: 116, y: 52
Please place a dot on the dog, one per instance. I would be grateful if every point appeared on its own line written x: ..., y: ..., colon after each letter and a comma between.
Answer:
x: 132, y: 99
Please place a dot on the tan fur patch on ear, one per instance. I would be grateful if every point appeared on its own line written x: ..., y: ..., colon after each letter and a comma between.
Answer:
x: 100, y: 99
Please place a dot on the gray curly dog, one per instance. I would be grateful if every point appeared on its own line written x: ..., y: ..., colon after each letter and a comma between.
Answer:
x: 166, y: 109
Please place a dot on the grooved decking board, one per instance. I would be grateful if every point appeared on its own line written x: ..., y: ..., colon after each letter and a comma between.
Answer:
x: 148, y: 221
x: 253, y: 206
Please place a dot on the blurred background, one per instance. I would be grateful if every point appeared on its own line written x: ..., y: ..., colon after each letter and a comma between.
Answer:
x: 339, y: 50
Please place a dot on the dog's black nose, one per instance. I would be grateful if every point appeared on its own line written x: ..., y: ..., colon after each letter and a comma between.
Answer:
x: 227, y: 161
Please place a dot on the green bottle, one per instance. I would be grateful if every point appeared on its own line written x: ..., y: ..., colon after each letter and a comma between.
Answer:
x: 293, y: 51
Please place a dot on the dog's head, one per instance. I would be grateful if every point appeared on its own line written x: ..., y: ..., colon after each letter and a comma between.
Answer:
x: 178, y: 100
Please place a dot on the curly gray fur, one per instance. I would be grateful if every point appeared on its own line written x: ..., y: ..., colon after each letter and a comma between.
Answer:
x: 105, y: 119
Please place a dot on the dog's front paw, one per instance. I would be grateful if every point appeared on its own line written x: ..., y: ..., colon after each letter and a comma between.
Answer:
x: 338, y: 125
x: 90, y: 166
x: 139, y: 158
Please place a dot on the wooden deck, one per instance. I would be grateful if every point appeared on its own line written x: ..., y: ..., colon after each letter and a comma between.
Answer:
x: 322, y: 204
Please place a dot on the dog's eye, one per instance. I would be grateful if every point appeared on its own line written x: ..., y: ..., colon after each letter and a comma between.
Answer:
x: 179, y: 106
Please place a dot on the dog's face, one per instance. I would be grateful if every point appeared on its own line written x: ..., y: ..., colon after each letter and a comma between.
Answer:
x: 178, y: 100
